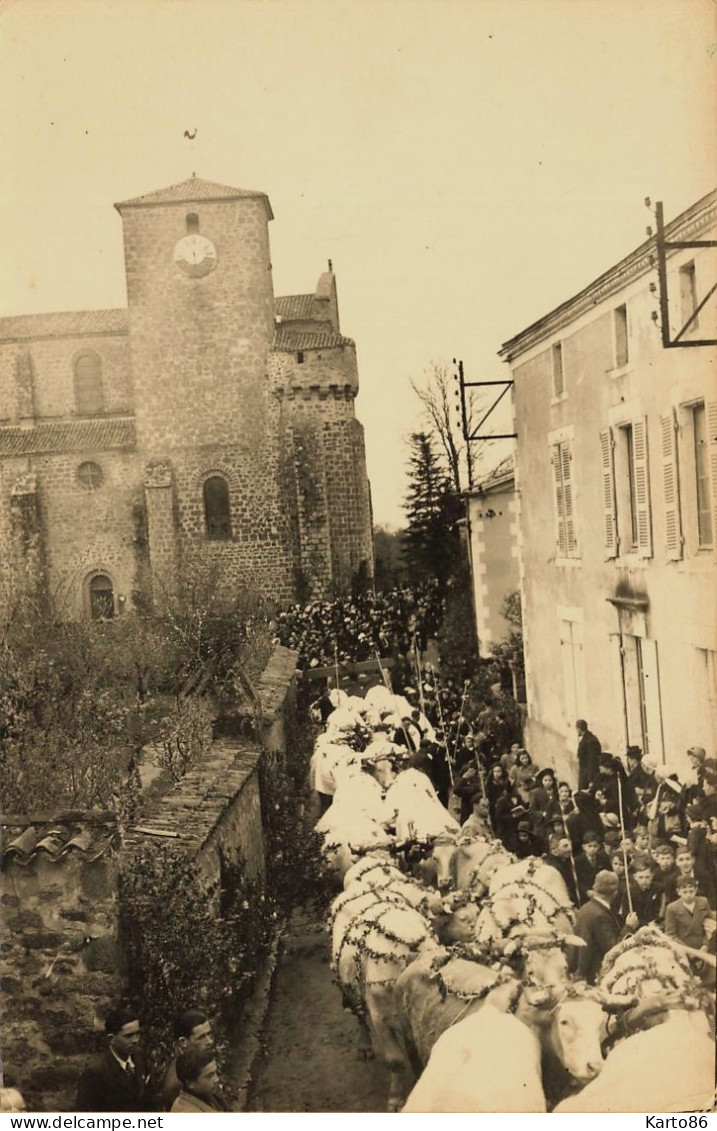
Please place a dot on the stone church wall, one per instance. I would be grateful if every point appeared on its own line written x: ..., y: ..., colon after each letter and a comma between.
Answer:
x: 52, y: 361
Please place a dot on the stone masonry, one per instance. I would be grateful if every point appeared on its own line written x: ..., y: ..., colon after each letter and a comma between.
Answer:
x: 121, y: 418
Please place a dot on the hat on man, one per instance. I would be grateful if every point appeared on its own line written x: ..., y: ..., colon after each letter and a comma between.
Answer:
x: 606, y: 883
x: 524, y: 827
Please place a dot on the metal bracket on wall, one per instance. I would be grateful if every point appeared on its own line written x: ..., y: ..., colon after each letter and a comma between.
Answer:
x: 663, y: 247
x: 471, y: 434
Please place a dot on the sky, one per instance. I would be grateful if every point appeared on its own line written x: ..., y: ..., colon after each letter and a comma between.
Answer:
x: 466, y: 164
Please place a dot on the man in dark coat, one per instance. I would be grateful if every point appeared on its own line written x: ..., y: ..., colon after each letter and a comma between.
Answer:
x: 117, y: 1079
x: 588, y: 755
x: 559, y: 857
x: 588, y: 863
x: 598, y: 925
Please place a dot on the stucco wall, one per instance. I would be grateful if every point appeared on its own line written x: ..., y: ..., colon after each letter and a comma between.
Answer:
x: 681, y: 614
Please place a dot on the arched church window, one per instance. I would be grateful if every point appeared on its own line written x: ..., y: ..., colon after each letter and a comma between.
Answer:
x: 216, y: 508
x: 89, y: 395
x: 102, y: 597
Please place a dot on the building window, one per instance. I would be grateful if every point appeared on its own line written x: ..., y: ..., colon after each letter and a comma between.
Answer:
x: 216, y: 508
x: 632, y: 488
x: 89, y: 395
x: 705, y: 534
x: 300, y: 357
x: 688, y: 295
x: 621, y: 343
x: 567, y: 545
x: 192, y: 223
x: 628, y: 440
x: 102, y: 598
x: 558, y: 378
x: 90, y: 475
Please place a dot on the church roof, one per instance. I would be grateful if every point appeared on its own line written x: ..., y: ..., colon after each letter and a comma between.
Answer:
x: 68, y: 324
x: 67, y: 436
x: 193, y: 189
x: 295, y: 308
x: 288, y: 342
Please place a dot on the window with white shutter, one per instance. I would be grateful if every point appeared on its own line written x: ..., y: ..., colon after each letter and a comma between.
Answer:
x: 671, y: 488
x: 610, y: 535
x: 566, y: 536
x: 642, y: 488
x: 561, y: 536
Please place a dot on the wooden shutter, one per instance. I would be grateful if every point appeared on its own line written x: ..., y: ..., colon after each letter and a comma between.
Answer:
x: 671, y: 487
x: 642, y: 488
x: 608, y: 494
x: 562, y: 544
x: 711, y: 414
x: 566, y: 460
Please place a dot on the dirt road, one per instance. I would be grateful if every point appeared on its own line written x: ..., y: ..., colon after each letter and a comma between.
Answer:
x: 310, y: 1061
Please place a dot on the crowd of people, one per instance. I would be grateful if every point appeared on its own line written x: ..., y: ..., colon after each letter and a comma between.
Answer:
x: 117, y: 1079
x: 359, y: 628
x: 635, y: 845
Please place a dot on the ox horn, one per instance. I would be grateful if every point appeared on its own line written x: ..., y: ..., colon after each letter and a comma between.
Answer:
x: 573, y: 940
x: 614, y: 1003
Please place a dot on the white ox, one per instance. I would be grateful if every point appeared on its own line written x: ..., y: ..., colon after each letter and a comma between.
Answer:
x: 371, y: 950
x: 668, y: 1068
x: 415, y: 809
x: 528, y: 894
x: 488, y: 1062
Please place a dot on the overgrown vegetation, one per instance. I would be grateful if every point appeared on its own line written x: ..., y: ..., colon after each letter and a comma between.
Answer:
x: 80, y: 698
x: 191, y: 946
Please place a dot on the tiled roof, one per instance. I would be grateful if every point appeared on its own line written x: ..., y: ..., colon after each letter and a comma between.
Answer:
x: 292, y: 308
x: 69, y: 324
x: 289, y: 342
x: 193, y: 189
x: 72, y: 436
x: 89, y: 833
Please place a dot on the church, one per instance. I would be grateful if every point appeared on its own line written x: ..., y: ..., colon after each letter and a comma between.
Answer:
x: 210, y: 424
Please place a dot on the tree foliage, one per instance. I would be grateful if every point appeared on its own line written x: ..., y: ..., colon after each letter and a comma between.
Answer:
x: 432, y: 539
x: 79, y: 699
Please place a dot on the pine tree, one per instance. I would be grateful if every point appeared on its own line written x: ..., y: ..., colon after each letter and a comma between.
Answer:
x: 432, y: 541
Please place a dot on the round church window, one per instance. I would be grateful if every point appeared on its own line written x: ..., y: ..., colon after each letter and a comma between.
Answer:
x: 90, y: 475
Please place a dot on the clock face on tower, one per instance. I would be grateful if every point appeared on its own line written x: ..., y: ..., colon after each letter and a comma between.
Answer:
x: 195, y: 255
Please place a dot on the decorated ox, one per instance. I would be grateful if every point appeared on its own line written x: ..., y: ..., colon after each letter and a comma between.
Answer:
x: 534, y: 897
x: 669, y: 1068
x: 486, y: 1062
x: 370, y: 951
x: 438, y: 988
x: 477, y: 861
x: 416, y: 811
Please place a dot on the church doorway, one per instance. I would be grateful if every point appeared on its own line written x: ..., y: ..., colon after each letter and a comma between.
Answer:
x: 101, y: 597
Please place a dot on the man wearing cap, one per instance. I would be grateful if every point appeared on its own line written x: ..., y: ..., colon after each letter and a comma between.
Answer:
x: 598, y: 925
x: 588, y: 755
x: 637, y: 775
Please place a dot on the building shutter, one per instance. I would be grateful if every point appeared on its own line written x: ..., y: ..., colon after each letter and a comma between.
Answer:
x: 711, y: 411
x: 566, y: 459
x: 653, y: 705
x: 642, y: 488
x: 671, y: 485
x: 562, y: 544
x: 608, y: 494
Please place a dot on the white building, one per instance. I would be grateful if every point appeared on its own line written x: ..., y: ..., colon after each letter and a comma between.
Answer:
x: 616, y: 472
